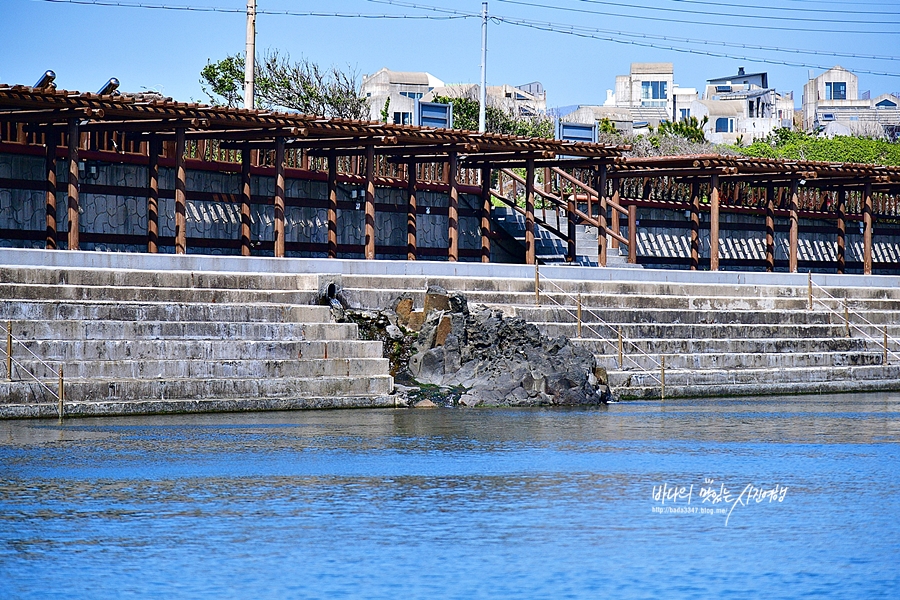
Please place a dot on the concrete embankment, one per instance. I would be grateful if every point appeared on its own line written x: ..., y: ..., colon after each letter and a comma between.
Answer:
x: 163, y: 333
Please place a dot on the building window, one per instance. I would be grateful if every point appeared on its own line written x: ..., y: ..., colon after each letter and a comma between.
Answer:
x: 836, y: 90
x: 724, y: 125
x: 413, y: 95
x: 402, y: 118
x: 653, y: 90
x: 685, y: 113
x: 886, y: 104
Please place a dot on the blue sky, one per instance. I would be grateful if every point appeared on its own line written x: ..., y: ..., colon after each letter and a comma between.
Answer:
x: 164, y: 49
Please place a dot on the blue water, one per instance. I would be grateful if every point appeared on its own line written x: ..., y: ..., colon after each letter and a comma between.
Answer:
x: 458, y: 503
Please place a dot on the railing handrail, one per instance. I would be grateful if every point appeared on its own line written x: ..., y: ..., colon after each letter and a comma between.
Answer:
x: 8, y: 330
x: 855, y: 313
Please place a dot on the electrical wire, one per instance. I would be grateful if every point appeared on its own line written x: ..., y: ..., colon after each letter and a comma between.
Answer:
x: 228, y: 10
x: 744, y: 16
x: 788, y: 8
x: 705, y: 23
x: 582, y: 32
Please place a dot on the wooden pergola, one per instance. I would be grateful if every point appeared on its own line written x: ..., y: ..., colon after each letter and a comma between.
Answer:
x: 151, y: 128
x: 581, y: 183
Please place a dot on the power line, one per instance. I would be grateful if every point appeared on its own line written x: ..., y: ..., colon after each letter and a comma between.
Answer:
x: 229, y: 10
x: 584, y: 33
x: 788, y: 8
x: 757, y: 7
x: 707, y: 23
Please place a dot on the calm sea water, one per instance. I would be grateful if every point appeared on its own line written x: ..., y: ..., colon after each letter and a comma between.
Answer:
x: 460, y: 503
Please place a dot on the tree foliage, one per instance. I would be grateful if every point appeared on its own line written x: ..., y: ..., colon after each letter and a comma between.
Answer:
x: 784, y: 143
x: 302, y: 86
x: 465, y: 116
x: 690, y: 129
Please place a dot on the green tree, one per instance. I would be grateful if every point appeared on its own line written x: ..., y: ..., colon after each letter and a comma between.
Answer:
x: 785, y: 143
x: 302, y: 86
x: 690, y: 129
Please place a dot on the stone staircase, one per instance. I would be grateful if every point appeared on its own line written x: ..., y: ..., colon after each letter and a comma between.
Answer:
x: 715, y: 339
x: 177, y: 341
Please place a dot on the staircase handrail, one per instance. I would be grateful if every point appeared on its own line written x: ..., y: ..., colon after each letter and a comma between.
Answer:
x: 640, y: 351
x: 539, y: 221
x: 850, y: 325
x: 22, y: 367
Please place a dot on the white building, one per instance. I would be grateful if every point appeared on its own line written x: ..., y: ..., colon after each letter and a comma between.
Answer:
x: 522, y: 100
x: 650, y: 94
x: 398, y: 90
x: 742, y: 107
x: 833, y: 105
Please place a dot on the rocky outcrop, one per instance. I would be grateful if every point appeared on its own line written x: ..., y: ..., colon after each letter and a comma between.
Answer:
x: 480, y: 357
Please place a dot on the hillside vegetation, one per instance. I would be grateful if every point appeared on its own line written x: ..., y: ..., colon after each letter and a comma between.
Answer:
x: 784, y: 143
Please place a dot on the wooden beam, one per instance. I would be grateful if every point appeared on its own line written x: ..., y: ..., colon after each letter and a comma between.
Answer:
x: 842, y: 231
x: 180, y: 194
x: 714, y: 223
x: 50, y: 174
x: 453, y: 208
x: 279, y: 196
x: 411, y: 216
x: 485, y: 214
x: 73, y: 140
x: 794, y: 234
x: 332, y: 207
x: 571, y: 231
x: 695, y: 225
x: 769, y: 191
x: 868, y: 223
x: 603, y: 225
x: 153, y: 195
x: 632, y: 234
x: 370, y: 204
x: 530, y: 252
x: 245, y: 201
x: 614, y: 215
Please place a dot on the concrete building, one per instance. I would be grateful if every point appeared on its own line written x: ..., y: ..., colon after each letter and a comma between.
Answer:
x: 399, y: 90
x: 742, y: 107
x: 522, y: 100
x: 650, y: 95
x: 833, y: 105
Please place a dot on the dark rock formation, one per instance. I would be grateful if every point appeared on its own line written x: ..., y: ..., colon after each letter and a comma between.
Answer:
x: 480, y: 357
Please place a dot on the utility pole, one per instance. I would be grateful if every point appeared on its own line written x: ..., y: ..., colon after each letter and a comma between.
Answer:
x: 482, y: 118
x: 250, y: 55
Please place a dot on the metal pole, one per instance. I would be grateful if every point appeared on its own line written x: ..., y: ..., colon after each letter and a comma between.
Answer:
x: 62, y: 394
x: 537, y: 285
x: 662, y: 376
x: 579, y: 316
x: 847, y: 318
x: 621, y: 351
x: 885, y: 347
x: 482, y: 119
x: 9, y: 350
x: 250, y: 54
x: 809, y: 292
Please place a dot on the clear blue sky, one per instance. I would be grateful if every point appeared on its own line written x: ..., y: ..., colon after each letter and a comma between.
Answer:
x: 165, y: 49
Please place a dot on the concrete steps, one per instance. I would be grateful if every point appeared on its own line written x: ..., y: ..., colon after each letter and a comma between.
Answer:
x: 136, y: 342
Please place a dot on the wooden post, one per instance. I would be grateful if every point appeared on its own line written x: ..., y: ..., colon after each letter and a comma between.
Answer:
x: 180, y: 194
x: 770, y: 228
x: 530, y: 252
x: 50, y: 171
x: 370, y: 203
x: 279, y: 196
x: 245, y: 200
x: 714, y: 223
x: 332, y: 206
x: 153, y: 195
x: 453, y: 208
x: 74, y: 139
x: 632, y: 234
x: 794, y: 237
x: 614, y: 215
x: 868, y: 222
x: 695, y: 225
x: 841, y: 231
x: 485, y: 214
x: 411, y: 215
x: 602, y: 222
x: 571, y: 231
